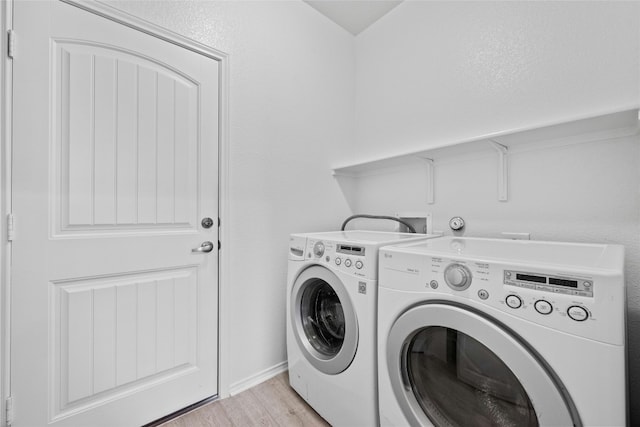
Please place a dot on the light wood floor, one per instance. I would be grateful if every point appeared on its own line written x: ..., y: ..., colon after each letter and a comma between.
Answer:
x: 272, y: 403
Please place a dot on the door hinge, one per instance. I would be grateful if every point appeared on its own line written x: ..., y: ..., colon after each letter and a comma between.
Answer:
x: 11, y: 43
x: 10, y: 227
x: 8, y: 408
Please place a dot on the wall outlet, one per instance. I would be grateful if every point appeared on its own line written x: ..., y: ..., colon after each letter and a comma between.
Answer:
x: 516, y: 236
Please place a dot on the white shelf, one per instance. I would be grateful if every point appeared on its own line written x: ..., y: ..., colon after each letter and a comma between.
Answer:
x: 577, y: 130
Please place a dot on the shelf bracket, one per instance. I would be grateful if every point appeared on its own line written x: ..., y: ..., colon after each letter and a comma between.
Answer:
x: 430, y: 174
x: 503, y: 170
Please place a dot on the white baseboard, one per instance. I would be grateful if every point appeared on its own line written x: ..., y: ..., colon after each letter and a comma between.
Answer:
x: 258, y: 378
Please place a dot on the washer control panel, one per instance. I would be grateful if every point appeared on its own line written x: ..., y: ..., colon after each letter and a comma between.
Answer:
x: 567, y: 285
x: 353, y: 259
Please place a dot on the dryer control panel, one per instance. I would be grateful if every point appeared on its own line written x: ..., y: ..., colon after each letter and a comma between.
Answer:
x: 520, y: 292
x: 583, y: 302
x: 568, y: 285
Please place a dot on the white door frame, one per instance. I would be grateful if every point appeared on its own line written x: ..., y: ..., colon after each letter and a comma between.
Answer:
x: 6, y: 85
x: 6, y: 95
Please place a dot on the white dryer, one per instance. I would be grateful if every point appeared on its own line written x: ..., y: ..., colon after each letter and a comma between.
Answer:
x: 489, y: 332
x: 331, y: 322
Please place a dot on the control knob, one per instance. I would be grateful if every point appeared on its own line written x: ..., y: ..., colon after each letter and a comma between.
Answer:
x: 457, y: 276
x: 318, y: 249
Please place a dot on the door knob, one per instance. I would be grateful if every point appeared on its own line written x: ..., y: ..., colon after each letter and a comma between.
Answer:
x: 204, y: 247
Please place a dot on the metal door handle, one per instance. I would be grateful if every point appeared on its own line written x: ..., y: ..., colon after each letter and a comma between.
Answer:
x: 204, y: 247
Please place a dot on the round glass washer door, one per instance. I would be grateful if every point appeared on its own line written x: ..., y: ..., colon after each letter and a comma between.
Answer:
x: 451, y: 366
x: 324, y: 321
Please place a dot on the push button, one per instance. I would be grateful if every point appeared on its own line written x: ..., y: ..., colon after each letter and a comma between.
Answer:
x: 543, y: 307
x: 359, y: 265
x: 338, y: 260
x: 347, y: 262
x: 513, y: 301
x: 578, y: 313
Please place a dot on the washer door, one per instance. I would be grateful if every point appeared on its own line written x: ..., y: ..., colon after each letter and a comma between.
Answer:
x: 452, y: 366
x: 324, y: 321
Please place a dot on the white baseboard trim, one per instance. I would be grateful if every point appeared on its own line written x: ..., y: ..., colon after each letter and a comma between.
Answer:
x: 258, y: 378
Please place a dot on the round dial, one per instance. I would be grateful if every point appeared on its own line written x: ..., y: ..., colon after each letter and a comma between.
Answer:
x: 457, y: 276
x: 318, y: 249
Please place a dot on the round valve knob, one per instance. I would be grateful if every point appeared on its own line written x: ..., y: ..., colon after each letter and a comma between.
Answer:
x: 456, y: 223
x: 457, y: 276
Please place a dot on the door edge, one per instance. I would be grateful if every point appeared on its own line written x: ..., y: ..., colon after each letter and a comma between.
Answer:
x: 6, y: 94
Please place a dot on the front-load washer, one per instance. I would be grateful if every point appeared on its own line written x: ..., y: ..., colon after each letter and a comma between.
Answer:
x: 331, y: 321
x: 490, y: 332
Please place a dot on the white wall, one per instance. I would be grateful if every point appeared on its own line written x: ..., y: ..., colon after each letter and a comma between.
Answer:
x: 291, y: 115
x: 430, y: 72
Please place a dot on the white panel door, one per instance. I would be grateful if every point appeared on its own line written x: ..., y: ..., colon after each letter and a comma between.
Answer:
x: 114, y: 317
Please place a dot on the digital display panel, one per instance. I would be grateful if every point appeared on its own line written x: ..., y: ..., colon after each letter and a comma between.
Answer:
x: 563, y: 282
x: 354, y: 250
x: 531, y: 278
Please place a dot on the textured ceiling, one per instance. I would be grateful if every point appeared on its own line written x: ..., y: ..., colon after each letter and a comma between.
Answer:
x: 353, y: 15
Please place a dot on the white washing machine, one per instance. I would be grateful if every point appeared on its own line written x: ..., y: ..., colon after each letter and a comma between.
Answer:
x: 331, y: 322
x: 489, y: 332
